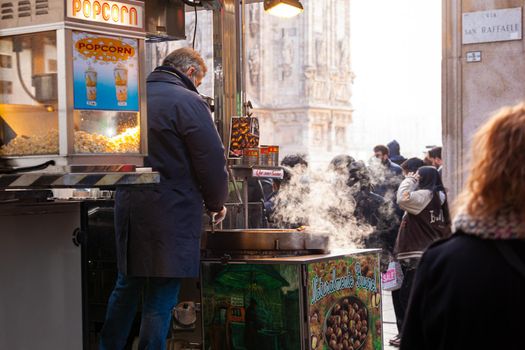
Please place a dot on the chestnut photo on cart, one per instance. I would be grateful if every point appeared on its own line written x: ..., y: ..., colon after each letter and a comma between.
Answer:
x: 344, y: 300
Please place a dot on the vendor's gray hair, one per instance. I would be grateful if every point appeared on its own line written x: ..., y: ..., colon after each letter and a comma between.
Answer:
x: 184, y: 58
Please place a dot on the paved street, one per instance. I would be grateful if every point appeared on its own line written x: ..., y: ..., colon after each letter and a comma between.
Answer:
x: 389, y: 320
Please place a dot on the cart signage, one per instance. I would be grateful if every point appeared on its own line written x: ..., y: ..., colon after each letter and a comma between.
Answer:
x: 271, y: 173
x: 322, y: 288
x: 244, y: 133
x: 107, y: 12
x: 105, y: 72
x: 344, y: 300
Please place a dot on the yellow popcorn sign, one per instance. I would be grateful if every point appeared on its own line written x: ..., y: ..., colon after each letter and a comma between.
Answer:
x: 104, y: 49
x: 117, y: 13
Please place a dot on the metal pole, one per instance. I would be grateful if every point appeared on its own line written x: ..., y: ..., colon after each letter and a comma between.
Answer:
x: 241, y: 88
x: 229, y: 59
x: 241, y: 43
x: 225, y: 66
x: 245, y: 201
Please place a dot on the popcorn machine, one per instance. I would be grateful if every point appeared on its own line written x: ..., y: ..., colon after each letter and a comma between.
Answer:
x: 72, y: 80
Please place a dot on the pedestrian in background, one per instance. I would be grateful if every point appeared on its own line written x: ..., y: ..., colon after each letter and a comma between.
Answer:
x: 394, y: 150
x: 158, y: 229
x: 288, y: 193
x: 370, y: 208
x: 426, y: 220
x: 468, y: 290
x: 434, y: 155
x: 388, y: 177
x: 409, y: 166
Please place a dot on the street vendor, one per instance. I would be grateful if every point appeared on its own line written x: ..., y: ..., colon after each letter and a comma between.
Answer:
x: 158, y: 228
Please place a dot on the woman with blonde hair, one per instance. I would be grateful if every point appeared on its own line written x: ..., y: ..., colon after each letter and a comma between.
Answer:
x: 469, y: 289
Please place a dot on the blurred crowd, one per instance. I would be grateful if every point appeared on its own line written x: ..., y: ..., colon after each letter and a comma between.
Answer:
x: 401, y: 201
x: 449, y: 263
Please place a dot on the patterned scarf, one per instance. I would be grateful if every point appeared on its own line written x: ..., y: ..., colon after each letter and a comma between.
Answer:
x: 504, y: 225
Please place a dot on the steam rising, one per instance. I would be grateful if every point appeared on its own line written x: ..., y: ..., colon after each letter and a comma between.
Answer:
x: 379, y: 177
x: 322, y: 201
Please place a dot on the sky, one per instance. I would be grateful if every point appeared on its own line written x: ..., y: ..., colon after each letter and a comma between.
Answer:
x: 396, y: 59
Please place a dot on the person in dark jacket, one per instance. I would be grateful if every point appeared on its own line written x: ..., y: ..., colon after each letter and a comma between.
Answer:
x: 426, y: 219
x: 388, y: 175
x: 368, y: 203
x: 158, y: 228
x: 434, y: 155
x: 394, y: 152
x: 468, y: 290
x: 371, y: 209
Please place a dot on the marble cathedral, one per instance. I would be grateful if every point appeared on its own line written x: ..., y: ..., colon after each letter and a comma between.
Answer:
x: 300, y: 78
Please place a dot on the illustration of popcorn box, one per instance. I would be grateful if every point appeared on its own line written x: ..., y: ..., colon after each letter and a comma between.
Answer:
x: 120, y: 74
x: 91, y: 84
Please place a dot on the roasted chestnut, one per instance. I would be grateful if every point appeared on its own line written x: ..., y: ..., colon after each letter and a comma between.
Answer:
x: 346, y: 326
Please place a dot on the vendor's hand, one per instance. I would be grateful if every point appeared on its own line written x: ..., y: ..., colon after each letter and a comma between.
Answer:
x: 217, y: 217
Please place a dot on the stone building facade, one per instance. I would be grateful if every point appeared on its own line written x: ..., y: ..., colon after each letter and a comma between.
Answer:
x: 299, y: 77
x: 472, y: 91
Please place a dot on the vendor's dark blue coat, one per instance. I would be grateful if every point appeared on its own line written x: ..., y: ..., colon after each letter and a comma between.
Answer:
x: 158, y: 228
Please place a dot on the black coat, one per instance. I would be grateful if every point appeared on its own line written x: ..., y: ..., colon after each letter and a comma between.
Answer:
x: 466, y: 296
x: 158, y: 229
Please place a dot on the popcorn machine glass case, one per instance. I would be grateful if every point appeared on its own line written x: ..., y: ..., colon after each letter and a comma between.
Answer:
x: 106, y: 99
x: 73, y: 92
x: 28, y: 95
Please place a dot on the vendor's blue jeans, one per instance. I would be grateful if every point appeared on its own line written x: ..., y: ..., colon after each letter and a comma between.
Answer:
x: 160, y: 295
